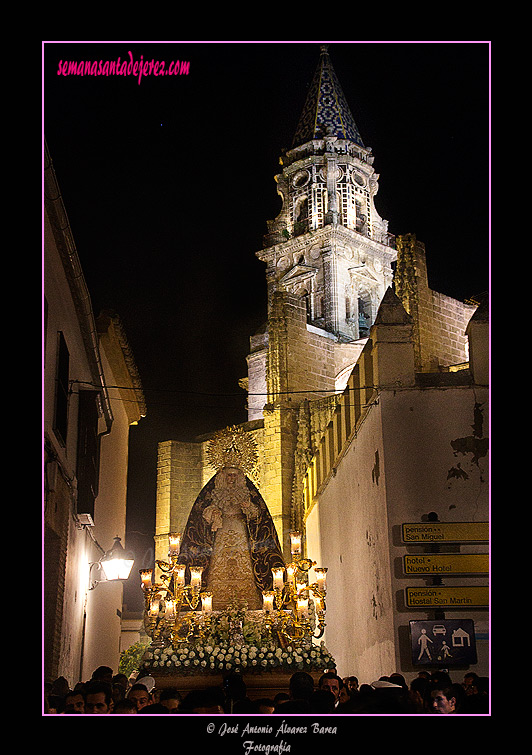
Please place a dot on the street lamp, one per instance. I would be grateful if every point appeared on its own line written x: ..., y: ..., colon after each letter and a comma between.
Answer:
x: 115, y: 563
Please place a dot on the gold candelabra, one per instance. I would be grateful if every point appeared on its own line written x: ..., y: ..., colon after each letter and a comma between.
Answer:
x: 292, y: 611
x: 295, y: 608
x: 170, y: 606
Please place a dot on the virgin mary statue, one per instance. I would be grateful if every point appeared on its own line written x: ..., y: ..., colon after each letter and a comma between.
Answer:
x: 230, y: 532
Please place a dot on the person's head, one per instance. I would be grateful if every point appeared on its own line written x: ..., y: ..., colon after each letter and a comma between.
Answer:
x: 120, y: 680
x: 344, y: 695
x: 210, y: 700
x: 293, y: 706
x: 98, y: 697
x: 419, y: 688
x: 60, y: 687
x: 440, y: 679
x: 235, y: 686
x: 332, y: 682
x: 139, y: 695
x: 120, y: 686
x: 103, y: 674
x: 301, y: 685
x: 74, y: 703
x: 153, y: 709
x: 125, y: 706
x: 265, y: 705
x: 56, y: 703
x: 443, y: 700
x: 322, y: 701
x: 399, y: 679
x: 170, y: 698
x: 470, y: 683
x: 351, y: 683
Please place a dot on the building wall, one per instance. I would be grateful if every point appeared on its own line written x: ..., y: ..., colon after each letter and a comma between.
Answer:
x: 347, y: 531
x: 179, y: 475
x: 414, y: 446
x: 256, y: 384
x: 81, y: 626
x: 104, y: 603
x: 424, y: 473
x: 68, y: 549
x: 439, y: 320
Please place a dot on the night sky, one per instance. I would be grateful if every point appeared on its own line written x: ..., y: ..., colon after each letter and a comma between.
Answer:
x: 168, y: 185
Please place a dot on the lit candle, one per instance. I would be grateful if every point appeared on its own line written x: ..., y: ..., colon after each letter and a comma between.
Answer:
x: 321, y: 579
x: 295, y: 543
x: 206, y: 603
x: 300, y: 586
x: 267, y: 600
x: 302, y: 608
x: 278, y: 578
x: 291, y: 571
x: 195, y: 577
x: 319, y: 604
x: 174, y: 539
x: 145, y: 578
x: 179, y: 575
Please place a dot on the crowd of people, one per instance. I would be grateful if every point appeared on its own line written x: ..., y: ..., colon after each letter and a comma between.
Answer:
x: 428, y: 693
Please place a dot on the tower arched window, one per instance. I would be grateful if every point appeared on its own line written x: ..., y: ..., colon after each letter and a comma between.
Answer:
x: 301, y: 216
x: 306, y: 298
x: 364, y: 316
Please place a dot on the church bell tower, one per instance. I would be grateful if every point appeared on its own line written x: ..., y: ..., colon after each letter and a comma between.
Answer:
x: 328, y: 245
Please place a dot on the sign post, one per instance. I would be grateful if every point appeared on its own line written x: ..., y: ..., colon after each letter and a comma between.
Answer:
x: 438, y: 596
x: 422, y: 533
x: 440, y: 564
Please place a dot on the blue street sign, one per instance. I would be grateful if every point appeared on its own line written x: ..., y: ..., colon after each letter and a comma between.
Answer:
x: 444, y: 642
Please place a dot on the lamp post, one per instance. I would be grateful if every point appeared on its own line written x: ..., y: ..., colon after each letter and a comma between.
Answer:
x: 116, y: 564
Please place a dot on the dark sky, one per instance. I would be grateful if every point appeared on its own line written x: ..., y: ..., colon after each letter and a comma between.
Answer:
x: 168, y: 185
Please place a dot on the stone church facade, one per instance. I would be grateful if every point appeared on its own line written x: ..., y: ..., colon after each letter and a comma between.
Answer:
x: 329, y: 259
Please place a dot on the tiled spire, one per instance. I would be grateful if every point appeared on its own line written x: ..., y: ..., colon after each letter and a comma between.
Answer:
x: 326, y: 109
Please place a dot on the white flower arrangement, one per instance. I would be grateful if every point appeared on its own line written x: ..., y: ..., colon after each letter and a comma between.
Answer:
x: 225, y: 656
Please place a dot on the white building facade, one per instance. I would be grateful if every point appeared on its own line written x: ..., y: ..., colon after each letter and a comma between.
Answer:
x: 86, y: 427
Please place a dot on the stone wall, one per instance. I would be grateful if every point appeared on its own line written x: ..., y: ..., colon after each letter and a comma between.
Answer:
x: 439, y: 320
x: 443, y: 321
x: 180, y: 474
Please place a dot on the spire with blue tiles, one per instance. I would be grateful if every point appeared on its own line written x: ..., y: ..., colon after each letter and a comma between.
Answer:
x: 326, y: 110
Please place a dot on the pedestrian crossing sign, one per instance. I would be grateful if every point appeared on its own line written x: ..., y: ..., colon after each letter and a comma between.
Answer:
x: 444, y: 642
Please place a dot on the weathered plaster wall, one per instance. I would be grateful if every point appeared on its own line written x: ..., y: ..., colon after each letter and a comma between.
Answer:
x: 347, y: 529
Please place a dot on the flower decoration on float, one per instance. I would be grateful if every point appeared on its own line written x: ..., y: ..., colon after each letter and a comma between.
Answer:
x: 225, y: 656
